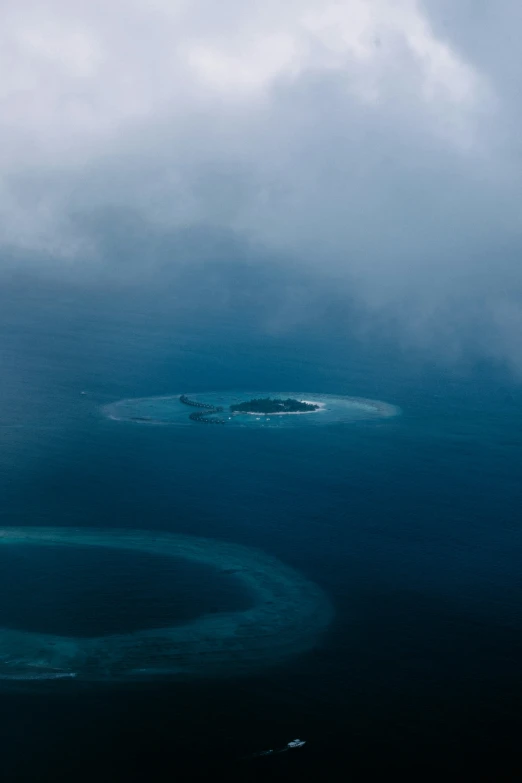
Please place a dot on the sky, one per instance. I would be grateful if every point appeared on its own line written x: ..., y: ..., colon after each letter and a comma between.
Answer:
x: 371, y: 144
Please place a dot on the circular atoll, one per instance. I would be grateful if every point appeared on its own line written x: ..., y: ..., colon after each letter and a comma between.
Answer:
x: 286, y: 616
x: 249, y: 409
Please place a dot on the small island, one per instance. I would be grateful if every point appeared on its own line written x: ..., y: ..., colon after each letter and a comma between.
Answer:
x: 268, y: 405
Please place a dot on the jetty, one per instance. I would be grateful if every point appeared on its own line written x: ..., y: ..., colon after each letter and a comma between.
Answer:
x: 207, y: 412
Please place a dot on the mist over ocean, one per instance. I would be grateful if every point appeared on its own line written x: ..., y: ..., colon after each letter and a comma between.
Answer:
x: 410, y: 525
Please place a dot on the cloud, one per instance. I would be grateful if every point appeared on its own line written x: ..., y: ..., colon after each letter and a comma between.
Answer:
x: 374, y: 143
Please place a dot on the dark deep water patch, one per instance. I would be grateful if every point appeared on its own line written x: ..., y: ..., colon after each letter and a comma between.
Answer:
x: 93, y: 591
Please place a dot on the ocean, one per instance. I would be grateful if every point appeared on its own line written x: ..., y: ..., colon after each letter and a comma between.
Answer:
x: 410, y: 526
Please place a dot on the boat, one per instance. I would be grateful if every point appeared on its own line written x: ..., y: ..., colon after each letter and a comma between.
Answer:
x: 297, y: 743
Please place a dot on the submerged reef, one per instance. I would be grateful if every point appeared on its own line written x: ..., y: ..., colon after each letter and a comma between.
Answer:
x: 287, y: 615
x: 303, y: 409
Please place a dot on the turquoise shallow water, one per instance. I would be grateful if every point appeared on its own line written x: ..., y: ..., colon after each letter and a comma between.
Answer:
x: 286, y: 615
x: 333, y: 409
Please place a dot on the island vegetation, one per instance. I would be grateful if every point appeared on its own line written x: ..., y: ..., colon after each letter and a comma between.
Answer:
x: 269, y: 405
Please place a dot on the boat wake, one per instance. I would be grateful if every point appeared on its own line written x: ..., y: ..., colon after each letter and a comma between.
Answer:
x: 296, y: 743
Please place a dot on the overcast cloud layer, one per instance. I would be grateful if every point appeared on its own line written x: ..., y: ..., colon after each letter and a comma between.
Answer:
x: 374, y: 140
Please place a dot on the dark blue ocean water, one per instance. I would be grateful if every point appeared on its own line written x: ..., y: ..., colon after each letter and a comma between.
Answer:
x: 411, y: 526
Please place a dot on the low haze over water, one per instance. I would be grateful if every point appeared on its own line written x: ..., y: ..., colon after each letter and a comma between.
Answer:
x: 409, y: 524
